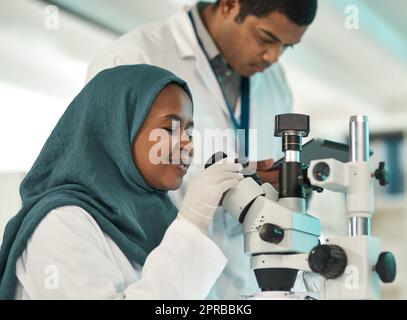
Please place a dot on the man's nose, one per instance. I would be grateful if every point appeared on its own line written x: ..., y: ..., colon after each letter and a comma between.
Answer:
x: 272, y: 54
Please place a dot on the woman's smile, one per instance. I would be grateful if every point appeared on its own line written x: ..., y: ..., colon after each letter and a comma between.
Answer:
x: 182, y: 168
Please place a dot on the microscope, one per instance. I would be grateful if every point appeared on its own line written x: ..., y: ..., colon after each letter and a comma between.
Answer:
x: 278, y: 232
x: 282, y: 239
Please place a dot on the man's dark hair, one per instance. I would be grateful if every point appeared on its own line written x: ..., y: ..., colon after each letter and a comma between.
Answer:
x: 301, y: 12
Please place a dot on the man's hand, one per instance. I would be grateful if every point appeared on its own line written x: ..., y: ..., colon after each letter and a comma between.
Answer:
x: 265, y: 172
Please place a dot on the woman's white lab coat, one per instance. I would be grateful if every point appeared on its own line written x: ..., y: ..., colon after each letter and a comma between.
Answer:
x: 172, y: 44
x: 69, y: 257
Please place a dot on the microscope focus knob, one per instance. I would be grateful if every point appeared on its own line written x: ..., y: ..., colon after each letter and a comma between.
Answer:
x: 382, y: 174
x: 271, y: 233
x: 328, y: 260
x: 386, y: 267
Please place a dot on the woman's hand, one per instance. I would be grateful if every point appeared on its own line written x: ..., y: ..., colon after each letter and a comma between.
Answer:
x: 206, y: 190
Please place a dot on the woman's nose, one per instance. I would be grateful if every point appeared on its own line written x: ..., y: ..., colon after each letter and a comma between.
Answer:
x: 186, y: 144
x: 186, y: 149
x: 183, y: 141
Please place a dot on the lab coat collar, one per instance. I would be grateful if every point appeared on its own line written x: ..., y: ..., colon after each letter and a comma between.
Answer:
x: 184, y: 35
x: 188, y: 47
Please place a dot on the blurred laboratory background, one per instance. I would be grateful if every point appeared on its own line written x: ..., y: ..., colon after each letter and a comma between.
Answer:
x: 334, y: 73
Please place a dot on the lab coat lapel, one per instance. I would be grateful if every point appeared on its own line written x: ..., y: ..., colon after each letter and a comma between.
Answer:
x: 188, y: 46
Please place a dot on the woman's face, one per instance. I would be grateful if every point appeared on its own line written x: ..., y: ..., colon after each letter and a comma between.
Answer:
x: 162, y: 149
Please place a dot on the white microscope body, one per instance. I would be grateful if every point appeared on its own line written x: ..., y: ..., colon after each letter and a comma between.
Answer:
x: 276, y: 237
x: 281, y: 238
x: 278, y: 232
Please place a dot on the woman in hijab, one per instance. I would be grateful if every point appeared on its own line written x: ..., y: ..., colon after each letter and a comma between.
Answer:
x: 96, y: 221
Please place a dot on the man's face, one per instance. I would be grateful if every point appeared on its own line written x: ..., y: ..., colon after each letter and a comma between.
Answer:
x: 255, y: 43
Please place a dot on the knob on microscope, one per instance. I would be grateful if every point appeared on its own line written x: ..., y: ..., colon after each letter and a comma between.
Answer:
x: 382, y: 174
x: 328, y: 260
x: 386, y: 267
x: 271, y: 233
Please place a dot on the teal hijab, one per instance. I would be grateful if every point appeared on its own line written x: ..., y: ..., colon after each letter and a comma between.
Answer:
x: 87, y: 162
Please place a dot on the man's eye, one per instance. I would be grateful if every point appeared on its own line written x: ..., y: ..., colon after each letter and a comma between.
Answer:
x: 267, y: 41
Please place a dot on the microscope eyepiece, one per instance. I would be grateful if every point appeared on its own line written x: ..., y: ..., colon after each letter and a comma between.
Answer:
x: 247, y: 171
x: 321, y: 171
x: 215, y: 158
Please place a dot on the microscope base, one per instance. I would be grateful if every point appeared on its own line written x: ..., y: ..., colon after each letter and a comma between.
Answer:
x: 280, y: 295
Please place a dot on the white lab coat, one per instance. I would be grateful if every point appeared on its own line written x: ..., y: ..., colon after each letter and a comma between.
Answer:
x: 69, y: 257
x: 172, y: 44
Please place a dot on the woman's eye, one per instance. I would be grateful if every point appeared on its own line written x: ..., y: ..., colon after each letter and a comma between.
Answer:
x: 170, y: 130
